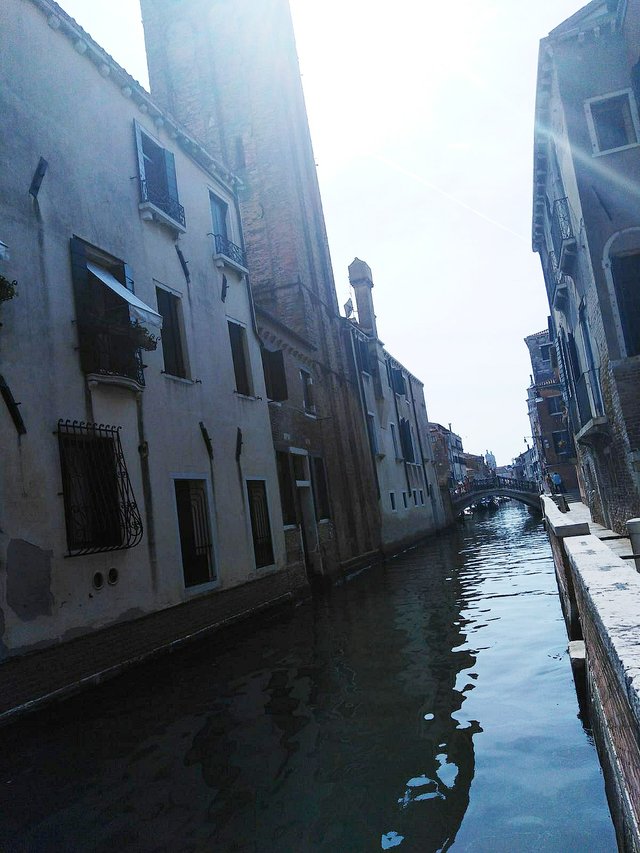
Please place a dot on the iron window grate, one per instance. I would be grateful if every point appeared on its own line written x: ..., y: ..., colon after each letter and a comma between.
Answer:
x: 100, y: 508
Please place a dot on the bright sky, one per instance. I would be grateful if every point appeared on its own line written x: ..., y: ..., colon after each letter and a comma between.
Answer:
x: 421, y: 116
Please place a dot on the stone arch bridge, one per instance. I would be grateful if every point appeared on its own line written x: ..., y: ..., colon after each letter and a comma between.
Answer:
x: 525, y: 491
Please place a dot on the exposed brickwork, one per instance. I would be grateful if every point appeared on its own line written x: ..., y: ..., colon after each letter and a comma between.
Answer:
x: 232, y: 78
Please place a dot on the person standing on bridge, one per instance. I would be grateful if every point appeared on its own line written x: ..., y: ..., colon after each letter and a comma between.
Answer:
x: 556, y: 479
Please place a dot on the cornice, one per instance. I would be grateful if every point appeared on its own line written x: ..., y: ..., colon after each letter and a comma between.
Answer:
x: 132, y: 90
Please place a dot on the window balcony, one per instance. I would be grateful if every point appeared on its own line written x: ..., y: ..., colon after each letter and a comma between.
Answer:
x: 111, y: 351
x: 556, y: 282
x: 563, y: 236
x: 156, y: 199
x: 228, y: 253
x: 589, y: 420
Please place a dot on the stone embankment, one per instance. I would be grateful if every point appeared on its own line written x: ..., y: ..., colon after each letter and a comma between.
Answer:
x: 600, y: 591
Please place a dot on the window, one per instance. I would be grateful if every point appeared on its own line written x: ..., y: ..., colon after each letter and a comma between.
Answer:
x: 221, y: 241
x: 415, y: 497
x: 406, y: 441
x: 394, y: 438
x: 307, y: 392
x: 113, y: 324
x: 287, y: 493
x: 397, y: 380
x: 169, y: 308
x: 545, y: 352
x: 274, y: 374
x: 561, y: 442
x: 421, y: 497
x: 555, y: 405
x: 612, y: 121
x: 219, y: 212
x: 260, y: 525
x: 319, y: 484
x: 626, y: 281
x: 404, y: 500
x: 195, y: 531
x: 371, y: 430
x: 392, y: 500
x: 157, y: 173
x: 362, y: 355
x: 238, y: 339
x: 100, y: 509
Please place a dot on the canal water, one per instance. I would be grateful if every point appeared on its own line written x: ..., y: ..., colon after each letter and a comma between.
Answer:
x: 426, y: 705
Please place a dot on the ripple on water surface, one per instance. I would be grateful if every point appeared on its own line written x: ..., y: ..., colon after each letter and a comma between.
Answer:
x: 427, y: 705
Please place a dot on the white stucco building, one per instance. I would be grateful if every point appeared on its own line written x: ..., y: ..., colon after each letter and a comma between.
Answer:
x: 132, y: 480
x: 395, y: 414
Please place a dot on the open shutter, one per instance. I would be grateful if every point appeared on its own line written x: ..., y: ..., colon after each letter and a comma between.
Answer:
x: 274, y: 375
x: 278, y: 377
x: 170, y: 171
x: 140, y: 155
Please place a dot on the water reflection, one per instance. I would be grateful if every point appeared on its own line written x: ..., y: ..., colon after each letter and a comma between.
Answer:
x: 389, y: 714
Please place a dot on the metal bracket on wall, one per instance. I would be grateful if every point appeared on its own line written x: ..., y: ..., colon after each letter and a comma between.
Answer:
x: 12, y: 406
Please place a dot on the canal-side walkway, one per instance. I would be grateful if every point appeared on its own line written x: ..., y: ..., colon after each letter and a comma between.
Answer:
x: 600, y: 591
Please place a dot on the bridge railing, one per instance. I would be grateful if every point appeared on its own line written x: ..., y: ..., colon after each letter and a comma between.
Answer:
x: 488, y: 483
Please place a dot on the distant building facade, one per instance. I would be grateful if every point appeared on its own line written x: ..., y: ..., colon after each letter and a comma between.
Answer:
x: 553, y: 442
x: 475, y: 466
x: 586, y: 228
x: 395, y: 414
x: 448, y: 452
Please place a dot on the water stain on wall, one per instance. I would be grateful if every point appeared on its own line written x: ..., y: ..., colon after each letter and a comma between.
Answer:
x: 28, y: 580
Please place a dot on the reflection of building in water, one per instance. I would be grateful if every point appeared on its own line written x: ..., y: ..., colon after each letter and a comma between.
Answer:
x: 350, y: 724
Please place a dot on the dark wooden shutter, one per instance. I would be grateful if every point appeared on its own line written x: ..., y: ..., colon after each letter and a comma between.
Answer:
x: 141, y: 170
x: 260, y: 525
x: 274, y: 375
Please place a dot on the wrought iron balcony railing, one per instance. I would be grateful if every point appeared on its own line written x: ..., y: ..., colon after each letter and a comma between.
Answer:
x: 224, y: 246
x: 159, y: 197
x: 111, y: 350
x: 562, y: 234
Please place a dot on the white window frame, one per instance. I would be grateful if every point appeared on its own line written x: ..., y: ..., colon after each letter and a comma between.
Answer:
x: 635, y: 119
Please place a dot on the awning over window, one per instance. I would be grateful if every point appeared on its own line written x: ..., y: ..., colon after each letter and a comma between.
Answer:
x: 138, y: 310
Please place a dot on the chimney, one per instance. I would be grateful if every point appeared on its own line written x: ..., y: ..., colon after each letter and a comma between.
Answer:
x: 360, y: 280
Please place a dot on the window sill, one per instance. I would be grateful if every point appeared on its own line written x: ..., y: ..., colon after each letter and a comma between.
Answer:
x: 246, y: 396
x: 149, y: 212
x: 201, y: 588
x: 289, y: 526
x: 181, y: 380
x: 311, y: 415
x: 594, y: 428
x: 615, y: 150
x: 95, y: 379
x: 222, y: 261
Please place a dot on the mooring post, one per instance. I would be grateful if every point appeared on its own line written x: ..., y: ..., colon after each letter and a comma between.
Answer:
x: 633, y: 526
